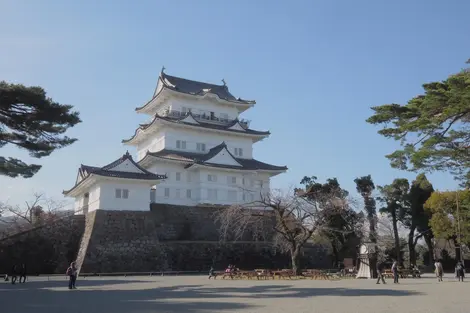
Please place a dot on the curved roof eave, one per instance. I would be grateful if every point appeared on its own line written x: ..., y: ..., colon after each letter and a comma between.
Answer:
x: 191, y: 159
x: 247, y: 132
x: 165, y: 87
x: 81, y: 183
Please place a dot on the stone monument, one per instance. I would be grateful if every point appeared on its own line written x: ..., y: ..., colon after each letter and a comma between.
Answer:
x: 366, y: 253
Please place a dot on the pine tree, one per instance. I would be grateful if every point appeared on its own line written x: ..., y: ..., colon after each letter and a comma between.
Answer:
x: 34, y: 122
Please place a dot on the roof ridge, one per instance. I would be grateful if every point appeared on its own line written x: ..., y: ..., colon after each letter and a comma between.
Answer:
x: 162, y: 74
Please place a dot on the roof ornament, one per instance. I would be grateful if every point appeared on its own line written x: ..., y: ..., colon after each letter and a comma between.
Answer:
x: 223, y: 81
x: 163, y: 68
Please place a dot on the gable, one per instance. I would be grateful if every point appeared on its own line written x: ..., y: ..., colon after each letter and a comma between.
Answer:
x: 126, y: 166
x: 237, y: 126
x: 223, y: 157
x: 158, y: 88
x: 79, y: 177
x: 189, y: 119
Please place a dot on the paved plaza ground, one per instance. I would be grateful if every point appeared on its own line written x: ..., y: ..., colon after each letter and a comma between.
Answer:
x: 196, y: 294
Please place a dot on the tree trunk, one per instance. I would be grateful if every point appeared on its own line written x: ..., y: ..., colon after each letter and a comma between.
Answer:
x: 458, y: 253
x: 373, y: 239
x: 397, y: 238
x: 371, y: 217
x: 373, y: 266
x: 411, y: 245
x: 295, y: 258
x: 428, y: 241
x: 335, y: 254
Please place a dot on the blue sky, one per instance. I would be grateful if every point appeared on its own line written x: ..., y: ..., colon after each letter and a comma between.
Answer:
x: 314, y: 67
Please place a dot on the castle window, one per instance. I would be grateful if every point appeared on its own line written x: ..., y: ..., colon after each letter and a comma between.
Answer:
x: 178, y: 176
x: 212, y: 178
x: 167, y: 192
x: 188, y: 193
x: 180, y: 144
x: 231, y: 180
x: 238, y: 152
x: 122, y: 193
x: 201, y: 147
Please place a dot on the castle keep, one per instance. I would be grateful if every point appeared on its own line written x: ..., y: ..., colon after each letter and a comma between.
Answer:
x: 195, y: 149
x: 156, y: 213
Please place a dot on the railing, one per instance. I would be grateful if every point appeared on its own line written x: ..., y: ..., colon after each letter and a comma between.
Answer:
x: 209, y: 117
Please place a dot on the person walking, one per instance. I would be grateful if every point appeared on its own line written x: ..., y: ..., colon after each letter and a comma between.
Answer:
x: 72, y: 274
x: 22, y: 273
x: 459, y: 271
x: 211, y: 273
x: 395, y: 271
x: 439, y: 270
x: 14, y: 273
x: 380, y: 276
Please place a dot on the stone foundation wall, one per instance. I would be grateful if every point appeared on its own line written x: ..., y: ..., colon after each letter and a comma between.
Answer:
x: 47, y: 248
x: 165, y: 238
x: 172, y: 237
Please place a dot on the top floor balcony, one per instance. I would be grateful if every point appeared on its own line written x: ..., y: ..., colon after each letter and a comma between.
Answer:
x: 205, y: 117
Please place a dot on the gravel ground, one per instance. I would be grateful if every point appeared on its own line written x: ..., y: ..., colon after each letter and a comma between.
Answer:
x: 198, y: 294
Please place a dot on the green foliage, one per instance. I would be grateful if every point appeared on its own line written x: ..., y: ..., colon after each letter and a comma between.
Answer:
x: 433, y: 128
x: 420, y: 191
x: 341, y: 225
x: 365, y: 186
x: 34, y: 122
x: 317, y: 190
x: 395, y: 197
x: 395, y: 200
x: 443, y: 207
x: 414, y: 217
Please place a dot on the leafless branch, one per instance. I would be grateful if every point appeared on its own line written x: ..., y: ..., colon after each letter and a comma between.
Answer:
x: 39, y: 210
x: 285, y: 219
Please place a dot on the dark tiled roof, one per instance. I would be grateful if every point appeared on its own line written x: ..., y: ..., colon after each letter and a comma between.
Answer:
x: 215, y: 126
x: 197, y: 158
x: 179, y: 120
x: 199, y: 88
x: 192, y: 87
x: 85, y: 171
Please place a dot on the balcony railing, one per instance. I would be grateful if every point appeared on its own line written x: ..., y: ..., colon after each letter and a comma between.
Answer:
x: 205, y: 117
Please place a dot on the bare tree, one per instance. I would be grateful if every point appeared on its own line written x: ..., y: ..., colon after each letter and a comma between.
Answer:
x: 35, y: 212
x: 287, y: 220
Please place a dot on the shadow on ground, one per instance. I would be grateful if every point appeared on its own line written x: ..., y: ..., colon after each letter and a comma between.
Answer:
x: 38, y: 284
x: 36, y: 297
